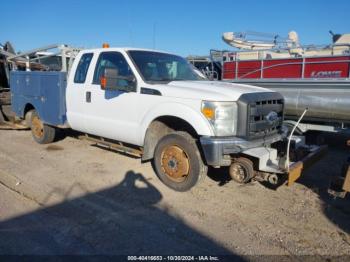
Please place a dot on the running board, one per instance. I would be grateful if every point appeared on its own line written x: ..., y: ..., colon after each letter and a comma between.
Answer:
x: 114, y: 145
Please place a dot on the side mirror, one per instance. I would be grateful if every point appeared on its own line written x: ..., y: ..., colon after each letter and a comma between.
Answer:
x: 112, y: 81
x: 109, y: 80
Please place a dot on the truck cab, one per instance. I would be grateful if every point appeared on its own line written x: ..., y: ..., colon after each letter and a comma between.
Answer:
x: 147, y: 85
x: 156, y: 102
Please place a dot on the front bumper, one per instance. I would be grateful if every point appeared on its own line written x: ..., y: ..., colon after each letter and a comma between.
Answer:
x: 217, y: 150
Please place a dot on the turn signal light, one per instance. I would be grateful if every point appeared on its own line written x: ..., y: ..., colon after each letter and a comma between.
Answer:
x: 105, y: 45
x: 103, y: 82
x: 209, y: 113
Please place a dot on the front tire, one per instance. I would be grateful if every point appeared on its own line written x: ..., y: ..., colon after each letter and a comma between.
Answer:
x: 42, y: 133
x: 178, y: 162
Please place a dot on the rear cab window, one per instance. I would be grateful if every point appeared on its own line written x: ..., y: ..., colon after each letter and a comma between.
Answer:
x: 82, y: 68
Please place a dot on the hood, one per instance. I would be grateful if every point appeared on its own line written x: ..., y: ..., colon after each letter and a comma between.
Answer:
x: 206, y: 90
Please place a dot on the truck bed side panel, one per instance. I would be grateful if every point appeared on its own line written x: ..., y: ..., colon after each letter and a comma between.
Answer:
x: 45, y: 91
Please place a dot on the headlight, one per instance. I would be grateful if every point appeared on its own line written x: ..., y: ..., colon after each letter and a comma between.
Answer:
x: 222, y: 116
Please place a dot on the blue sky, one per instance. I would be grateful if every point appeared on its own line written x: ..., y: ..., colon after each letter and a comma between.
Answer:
x: 183, y: 26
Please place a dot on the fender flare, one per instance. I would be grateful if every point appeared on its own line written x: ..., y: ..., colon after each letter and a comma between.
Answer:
x: 184, y: 112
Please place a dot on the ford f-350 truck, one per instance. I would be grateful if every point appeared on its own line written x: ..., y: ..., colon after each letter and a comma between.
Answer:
x: 155, y: 105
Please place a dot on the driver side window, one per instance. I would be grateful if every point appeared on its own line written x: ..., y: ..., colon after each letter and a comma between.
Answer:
x: 113, y: 60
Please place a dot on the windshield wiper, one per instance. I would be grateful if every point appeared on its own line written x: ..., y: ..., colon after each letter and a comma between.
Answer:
x: 160, y: 79
x: 172, y: 79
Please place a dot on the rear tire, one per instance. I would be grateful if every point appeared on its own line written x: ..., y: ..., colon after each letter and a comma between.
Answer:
x: 178, y: 162
x: 42, y: 133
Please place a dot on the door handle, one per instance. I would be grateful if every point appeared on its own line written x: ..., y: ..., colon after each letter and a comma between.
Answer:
x: 88, y: 97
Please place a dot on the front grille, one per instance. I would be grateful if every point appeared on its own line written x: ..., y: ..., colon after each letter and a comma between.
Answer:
x: 253, y: 109
x: 258, y: 122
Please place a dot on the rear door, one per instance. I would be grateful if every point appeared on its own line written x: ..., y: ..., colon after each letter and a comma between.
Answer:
x: 77, y: 94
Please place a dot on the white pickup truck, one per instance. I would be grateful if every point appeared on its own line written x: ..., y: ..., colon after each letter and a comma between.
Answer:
x: 154, y: 104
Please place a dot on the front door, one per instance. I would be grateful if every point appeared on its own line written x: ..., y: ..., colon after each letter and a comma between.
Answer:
x: 113, y: 113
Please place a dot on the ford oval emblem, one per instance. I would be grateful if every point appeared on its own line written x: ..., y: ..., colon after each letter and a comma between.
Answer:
x: 271, y: 117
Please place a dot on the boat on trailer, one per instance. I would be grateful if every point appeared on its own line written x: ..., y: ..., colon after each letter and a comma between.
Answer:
x: 313, y: 77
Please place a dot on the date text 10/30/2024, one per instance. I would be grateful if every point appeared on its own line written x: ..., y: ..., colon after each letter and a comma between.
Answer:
x: 173, y: 258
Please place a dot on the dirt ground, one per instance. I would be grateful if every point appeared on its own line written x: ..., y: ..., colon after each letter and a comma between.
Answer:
x: 72, y: 197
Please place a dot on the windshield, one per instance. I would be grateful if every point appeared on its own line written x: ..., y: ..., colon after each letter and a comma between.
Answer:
x: 156, y: 67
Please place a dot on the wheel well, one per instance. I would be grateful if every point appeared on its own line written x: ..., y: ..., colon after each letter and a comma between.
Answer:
x: 27, y: 108
x: 177, y: 124
x: 160, y: 127
x: 27, y: 116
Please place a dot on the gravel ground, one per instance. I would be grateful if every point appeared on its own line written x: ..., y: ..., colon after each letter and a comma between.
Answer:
x: 72, y: 197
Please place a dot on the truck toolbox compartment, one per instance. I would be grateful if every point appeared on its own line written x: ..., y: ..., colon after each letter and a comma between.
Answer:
x: 45, y: 91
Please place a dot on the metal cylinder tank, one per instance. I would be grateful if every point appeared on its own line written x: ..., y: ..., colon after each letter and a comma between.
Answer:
x: 327, y: 100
